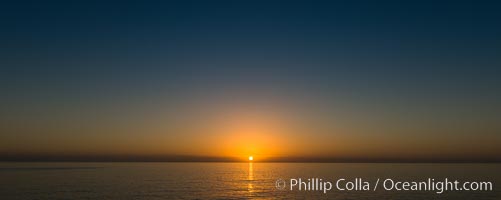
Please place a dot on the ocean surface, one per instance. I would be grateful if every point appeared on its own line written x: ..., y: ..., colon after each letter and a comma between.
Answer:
x: 231, y: 180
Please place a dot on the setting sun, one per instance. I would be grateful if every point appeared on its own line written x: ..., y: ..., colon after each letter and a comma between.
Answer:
x: 251, y: 158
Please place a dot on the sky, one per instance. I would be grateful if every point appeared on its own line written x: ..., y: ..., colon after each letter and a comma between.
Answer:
x: 294, y: 81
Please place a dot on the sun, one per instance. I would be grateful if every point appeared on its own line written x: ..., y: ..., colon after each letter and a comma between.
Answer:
x: 251, y: 158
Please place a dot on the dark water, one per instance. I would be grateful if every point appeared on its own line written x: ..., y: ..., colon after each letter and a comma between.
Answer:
x: 228, y: 180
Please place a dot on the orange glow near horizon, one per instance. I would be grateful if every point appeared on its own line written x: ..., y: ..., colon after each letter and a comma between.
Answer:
x: 246, y: 133
x: 239, y: 129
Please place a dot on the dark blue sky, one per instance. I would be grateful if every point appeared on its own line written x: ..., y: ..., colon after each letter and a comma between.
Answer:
x: 389, y: 39
x: 434, y: 62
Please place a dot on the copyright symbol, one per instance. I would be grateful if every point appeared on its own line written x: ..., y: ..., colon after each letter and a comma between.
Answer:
x: 280, y: 184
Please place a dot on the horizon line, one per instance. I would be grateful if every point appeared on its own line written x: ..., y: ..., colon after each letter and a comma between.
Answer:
x: 189, y: 158
x: 299, y: 162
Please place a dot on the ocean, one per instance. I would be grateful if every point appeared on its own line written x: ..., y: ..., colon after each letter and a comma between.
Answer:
x: 151, y: 180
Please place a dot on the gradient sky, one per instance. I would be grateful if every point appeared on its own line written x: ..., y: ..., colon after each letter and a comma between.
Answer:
x: 239, y: 78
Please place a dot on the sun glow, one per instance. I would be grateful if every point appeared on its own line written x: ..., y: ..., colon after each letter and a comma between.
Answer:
x: 241, y: 132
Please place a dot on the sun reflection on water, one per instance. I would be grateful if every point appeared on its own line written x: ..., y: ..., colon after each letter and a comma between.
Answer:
x: 250, y: 178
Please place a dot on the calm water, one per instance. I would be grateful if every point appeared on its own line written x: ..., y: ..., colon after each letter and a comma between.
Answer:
x: 226, y: 180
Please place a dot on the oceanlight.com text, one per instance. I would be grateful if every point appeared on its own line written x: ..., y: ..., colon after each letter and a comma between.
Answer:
x: 437, y: 186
